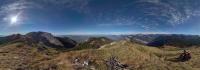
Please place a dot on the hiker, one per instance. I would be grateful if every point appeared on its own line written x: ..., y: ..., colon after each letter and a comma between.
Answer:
x: 185, y: 56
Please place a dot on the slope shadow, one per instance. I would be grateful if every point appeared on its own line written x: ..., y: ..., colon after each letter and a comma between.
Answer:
x: 174, y: 59
x: 177, y: 59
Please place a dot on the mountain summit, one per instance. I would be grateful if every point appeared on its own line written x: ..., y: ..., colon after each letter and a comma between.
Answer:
x: 42, y: 38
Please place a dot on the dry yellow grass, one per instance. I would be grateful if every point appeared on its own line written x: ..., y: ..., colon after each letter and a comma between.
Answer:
x: 138, y: 57
x: 21, y: 56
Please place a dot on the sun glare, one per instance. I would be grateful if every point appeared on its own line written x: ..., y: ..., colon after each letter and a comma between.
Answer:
x: 13, y: 19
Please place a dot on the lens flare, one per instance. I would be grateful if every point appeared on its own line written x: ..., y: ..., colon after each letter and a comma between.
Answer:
x: 14, y: 19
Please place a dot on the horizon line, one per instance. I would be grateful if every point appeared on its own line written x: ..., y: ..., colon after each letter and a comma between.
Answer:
x: 92, y: 33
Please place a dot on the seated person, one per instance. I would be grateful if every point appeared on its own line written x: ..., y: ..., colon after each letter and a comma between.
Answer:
x: 185, y: 56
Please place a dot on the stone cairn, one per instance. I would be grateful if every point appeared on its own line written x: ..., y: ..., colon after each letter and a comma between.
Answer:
x: 113, y: 64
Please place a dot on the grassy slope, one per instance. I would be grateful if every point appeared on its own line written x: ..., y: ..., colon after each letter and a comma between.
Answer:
x: 20, y: 56
x: 138, y: 57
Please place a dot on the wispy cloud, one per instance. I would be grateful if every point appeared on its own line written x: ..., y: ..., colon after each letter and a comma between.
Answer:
x: 78, y: 5
x: 114, y: 33
x: 116, y: 24
x: 153, y: 33
x: 17, y: 5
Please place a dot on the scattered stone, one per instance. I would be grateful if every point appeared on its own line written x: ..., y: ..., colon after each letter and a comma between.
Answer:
x: 113, y: 64
x: 80, y: 63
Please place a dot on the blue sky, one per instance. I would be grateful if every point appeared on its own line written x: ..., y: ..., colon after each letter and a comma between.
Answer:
x: 100, y: 16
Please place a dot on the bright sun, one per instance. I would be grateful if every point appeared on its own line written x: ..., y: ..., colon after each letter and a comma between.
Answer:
x: 14, y: 19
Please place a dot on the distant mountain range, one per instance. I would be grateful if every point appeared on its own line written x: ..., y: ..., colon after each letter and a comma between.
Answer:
x: 179, y: 40
x: 176, y: 40
x: 157, y: 40
x: 69, y: 41
x: 83, y: 38
x: 1, y: 35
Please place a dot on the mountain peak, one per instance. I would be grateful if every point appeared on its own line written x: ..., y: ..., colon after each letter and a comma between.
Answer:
x: 42, y: 38
x: 39, y: 34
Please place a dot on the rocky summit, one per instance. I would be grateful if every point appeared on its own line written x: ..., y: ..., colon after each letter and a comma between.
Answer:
x: 43, y: 38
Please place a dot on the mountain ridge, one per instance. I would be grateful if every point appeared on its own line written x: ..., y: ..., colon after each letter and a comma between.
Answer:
x: 40, y: 37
